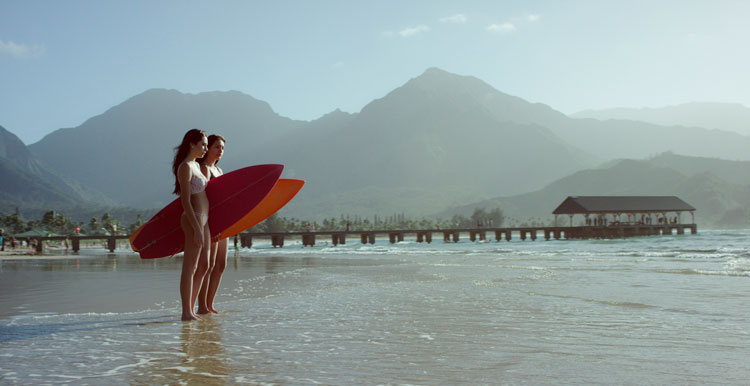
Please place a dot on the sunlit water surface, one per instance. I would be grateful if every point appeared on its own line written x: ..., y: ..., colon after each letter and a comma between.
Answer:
x: 656, y: 310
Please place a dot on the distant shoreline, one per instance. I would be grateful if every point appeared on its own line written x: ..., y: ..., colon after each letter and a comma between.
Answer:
x: 19, y: 255
x: 28, y: 254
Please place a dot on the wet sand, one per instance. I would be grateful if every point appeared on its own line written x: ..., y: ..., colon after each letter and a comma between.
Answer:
x: 17, y: 255
x: 118, y: 282
x: 28, y: 253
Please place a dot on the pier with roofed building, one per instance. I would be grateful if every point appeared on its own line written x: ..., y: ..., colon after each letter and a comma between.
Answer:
x: 600, y: 217
x: 588, y: 217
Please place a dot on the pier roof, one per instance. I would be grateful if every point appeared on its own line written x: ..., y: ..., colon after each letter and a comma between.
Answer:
x: 622, y: 204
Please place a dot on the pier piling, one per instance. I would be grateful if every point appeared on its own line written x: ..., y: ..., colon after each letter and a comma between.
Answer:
x: 338, y: 238
x: 111, y: 244
x: 308, y: 240
x: 246, y: 241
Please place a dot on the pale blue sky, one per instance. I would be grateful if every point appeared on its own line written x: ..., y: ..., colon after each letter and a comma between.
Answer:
x: 62, y: 62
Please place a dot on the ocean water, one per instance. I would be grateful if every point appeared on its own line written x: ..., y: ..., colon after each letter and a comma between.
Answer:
x: 653, y: 310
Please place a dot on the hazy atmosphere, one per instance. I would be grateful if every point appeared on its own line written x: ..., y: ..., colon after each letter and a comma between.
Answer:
x: 401, y: 192
x: 64, y: 62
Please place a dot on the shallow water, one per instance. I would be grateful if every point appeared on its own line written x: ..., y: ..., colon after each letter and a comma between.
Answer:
x: 653, y: 310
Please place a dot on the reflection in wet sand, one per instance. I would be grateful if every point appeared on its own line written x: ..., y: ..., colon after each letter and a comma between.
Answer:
x: 201, y: 358
x: 205, y: 359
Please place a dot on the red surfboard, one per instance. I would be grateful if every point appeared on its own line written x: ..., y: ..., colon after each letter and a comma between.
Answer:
x: 280, y: 195
x: 230, y: 197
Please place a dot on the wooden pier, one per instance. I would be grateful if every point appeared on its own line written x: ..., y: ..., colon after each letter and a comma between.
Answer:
x: 474, y: 234
x: 603, y: 216
x: 245, y: 239
x: 75, y: 241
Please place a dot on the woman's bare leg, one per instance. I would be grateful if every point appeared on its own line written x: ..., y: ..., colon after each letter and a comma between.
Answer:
x: 203, y: 307
x: 220, y: 256
x: 202, y: 267
x: 189, y: 264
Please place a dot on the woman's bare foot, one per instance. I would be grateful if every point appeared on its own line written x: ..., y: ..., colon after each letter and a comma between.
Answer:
x: 202, y: 311
x: 213, y: 310
x: 189, y: 317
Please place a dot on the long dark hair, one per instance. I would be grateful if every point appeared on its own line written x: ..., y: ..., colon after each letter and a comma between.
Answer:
x: 211, y: 140
x: 182, y: 151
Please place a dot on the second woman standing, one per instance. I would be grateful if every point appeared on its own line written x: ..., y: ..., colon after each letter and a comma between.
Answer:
x: 217, y: 261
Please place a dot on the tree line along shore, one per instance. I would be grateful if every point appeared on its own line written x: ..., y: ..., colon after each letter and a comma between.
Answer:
x: 57, y: 223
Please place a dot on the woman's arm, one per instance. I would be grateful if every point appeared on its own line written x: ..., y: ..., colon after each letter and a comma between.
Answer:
x: 184, y: 174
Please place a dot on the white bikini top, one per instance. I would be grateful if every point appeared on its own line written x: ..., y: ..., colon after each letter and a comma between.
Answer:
x: 198, y: 182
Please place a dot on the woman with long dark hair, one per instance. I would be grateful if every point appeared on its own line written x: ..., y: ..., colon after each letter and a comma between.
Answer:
x: 217, y: 260
x: 190, y: 185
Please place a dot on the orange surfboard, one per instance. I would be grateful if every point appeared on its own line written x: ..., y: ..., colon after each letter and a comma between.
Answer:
x: 134, y: 235
x: 280, y: 195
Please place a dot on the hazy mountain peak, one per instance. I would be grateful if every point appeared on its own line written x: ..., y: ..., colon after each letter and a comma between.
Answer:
x: 438, y: 80
x: 156, y: 92
x: 155, y: 97
x: 336, y: 114
x: 438, y: 87
x: 435, y: 73
x: 436, y: 70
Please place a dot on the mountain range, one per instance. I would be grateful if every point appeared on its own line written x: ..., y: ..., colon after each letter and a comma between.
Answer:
x: 438, y: 141
x: 723, y: 116
x: 126, y: 152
